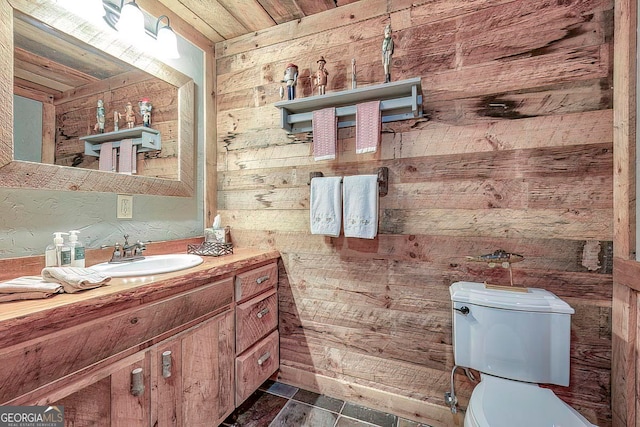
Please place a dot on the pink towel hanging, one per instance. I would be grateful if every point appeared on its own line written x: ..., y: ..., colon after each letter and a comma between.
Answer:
x: 368, y: 125
x: 107, y: 160
x: 325, y: 134
x: 128, y: 158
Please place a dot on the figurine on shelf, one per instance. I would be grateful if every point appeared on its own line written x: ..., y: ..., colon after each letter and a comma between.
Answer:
x: 116, y: 121
x: 387, y: 53
x: 100, y: 117
x: 291, y: 79
x: 145, y: 111
x: 129, y: 116
x: 321, y: 76
x: 354, y: 84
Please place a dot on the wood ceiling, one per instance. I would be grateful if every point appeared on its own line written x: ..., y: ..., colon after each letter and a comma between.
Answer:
x: 220, y: 20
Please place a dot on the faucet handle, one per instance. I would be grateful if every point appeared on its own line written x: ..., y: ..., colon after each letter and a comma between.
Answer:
x: 139, y: 247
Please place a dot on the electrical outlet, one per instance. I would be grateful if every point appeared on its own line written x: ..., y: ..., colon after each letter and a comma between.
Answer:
x: 124, y: 208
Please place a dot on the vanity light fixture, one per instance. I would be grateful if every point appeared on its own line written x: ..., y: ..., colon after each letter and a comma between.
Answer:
x: 166, y: 40
x: 131, y: 22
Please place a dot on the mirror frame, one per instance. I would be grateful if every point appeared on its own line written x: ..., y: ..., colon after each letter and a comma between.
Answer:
x: 22, y: 174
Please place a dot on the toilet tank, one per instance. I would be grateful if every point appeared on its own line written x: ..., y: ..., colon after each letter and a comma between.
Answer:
x: 519, y: 335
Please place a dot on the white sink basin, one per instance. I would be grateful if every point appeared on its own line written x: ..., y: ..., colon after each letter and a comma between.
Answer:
x: 154, y: 264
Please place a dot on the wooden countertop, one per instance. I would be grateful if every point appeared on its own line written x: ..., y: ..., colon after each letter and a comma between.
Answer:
x: 36, y: 317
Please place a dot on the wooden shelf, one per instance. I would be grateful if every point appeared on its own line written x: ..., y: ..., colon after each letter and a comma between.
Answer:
x: 146, y: 139
x: 400, y: 100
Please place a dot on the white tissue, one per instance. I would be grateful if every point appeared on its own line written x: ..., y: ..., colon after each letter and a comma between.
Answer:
x: 217, y: 222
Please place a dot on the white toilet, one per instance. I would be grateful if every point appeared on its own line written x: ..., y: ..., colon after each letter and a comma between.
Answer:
x: 515, y: 339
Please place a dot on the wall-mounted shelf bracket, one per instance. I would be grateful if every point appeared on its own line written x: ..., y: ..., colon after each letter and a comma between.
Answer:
x: 401, y: 100
x: 383, y: 179
x: 144, y: 138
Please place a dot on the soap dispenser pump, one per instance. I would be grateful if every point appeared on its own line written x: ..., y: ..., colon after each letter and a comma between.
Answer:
x: 57, y: 254
x: 77, y: 249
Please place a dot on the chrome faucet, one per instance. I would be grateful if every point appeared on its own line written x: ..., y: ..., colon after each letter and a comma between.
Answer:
x: 127, y: 252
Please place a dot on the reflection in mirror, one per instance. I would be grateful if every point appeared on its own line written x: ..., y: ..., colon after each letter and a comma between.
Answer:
x: 50, y: 67
x: 62, y: 66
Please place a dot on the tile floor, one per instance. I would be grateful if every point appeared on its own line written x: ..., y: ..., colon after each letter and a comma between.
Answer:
x: 280, y: 405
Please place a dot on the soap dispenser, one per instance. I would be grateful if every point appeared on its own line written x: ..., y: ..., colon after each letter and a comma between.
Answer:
x: 58, y: 254
x: 77, y: 249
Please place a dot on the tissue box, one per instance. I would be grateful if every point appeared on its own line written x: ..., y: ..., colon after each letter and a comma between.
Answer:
x: 218, y: 235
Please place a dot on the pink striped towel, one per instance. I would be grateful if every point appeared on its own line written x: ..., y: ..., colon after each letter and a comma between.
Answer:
x: 128, y: 159
x: 107, y: 160
x: 368, y: 123
x: 325, y: 134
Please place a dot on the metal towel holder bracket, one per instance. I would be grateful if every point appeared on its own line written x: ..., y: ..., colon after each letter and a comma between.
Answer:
x: 383, y: 179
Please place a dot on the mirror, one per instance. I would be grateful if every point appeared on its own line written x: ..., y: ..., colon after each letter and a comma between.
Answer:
x: 124, y: 73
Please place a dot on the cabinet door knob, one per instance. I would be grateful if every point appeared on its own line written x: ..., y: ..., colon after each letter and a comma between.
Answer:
x: 263, y: 313
x: 264, y: 358
x: 166, y: 364
x: 262, y: 279
x: 137, y: 382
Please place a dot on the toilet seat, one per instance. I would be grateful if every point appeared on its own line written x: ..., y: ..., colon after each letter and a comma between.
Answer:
x: 498, y: 402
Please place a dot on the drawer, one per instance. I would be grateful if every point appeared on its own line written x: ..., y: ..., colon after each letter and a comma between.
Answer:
x: 256, y: 366
x: 255, y: 281
x: 255, y: 319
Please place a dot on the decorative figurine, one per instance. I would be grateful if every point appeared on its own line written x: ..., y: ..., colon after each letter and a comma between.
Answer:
x: 387, y: 53
x: 129, y: 116
x: 291, y: 79
x: 100, y: 117
x: 499, y: 257
x: 321, y: 76
x: 116, y: 121
x: 353, y: 74
x: 145, y: 111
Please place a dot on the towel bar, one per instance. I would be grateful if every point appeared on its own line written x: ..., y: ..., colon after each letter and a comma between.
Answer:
x: 383, y: 179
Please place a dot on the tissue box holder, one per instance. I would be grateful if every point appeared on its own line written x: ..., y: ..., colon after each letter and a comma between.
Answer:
x: 211, y: 249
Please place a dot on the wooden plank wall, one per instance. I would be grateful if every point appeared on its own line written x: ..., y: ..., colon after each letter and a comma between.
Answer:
x: 514, y: 152
x: 76, y: 116
x: 625, y: 363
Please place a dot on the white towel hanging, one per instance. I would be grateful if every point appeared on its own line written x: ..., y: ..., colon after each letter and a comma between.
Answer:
x: 360, y: 194
x: 325, y: 208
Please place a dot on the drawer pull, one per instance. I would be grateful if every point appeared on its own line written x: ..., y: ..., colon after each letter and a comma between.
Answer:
x: 264, y: 358
x: 263, y: 312
x: 166, y: 364
x: 262, y: 279
x: 137, y: 382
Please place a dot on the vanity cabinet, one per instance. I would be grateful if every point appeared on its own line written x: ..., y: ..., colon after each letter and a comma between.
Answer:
x: 257, y: 340
x: 197, y: 350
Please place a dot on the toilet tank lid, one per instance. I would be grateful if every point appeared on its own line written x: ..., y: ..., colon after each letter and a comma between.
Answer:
x: 533, y: 299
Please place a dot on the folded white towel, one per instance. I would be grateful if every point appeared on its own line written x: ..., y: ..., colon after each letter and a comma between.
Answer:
x: 74, y: 279
x: 19, y: 296
x: 326, y: 206
x: 360, y: 206
x: 28, y: 284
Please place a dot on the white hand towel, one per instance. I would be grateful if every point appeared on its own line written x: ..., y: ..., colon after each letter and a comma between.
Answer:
x: 20, y: 296
x: 360, y: 206
x: 74, y: 279
x: 326, y: 206
x: 26, y: 284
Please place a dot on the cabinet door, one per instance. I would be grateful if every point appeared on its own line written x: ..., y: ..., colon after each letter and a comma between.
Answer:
x: 207, y: 372
x: 166, y: 388
x: 131, y: 408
